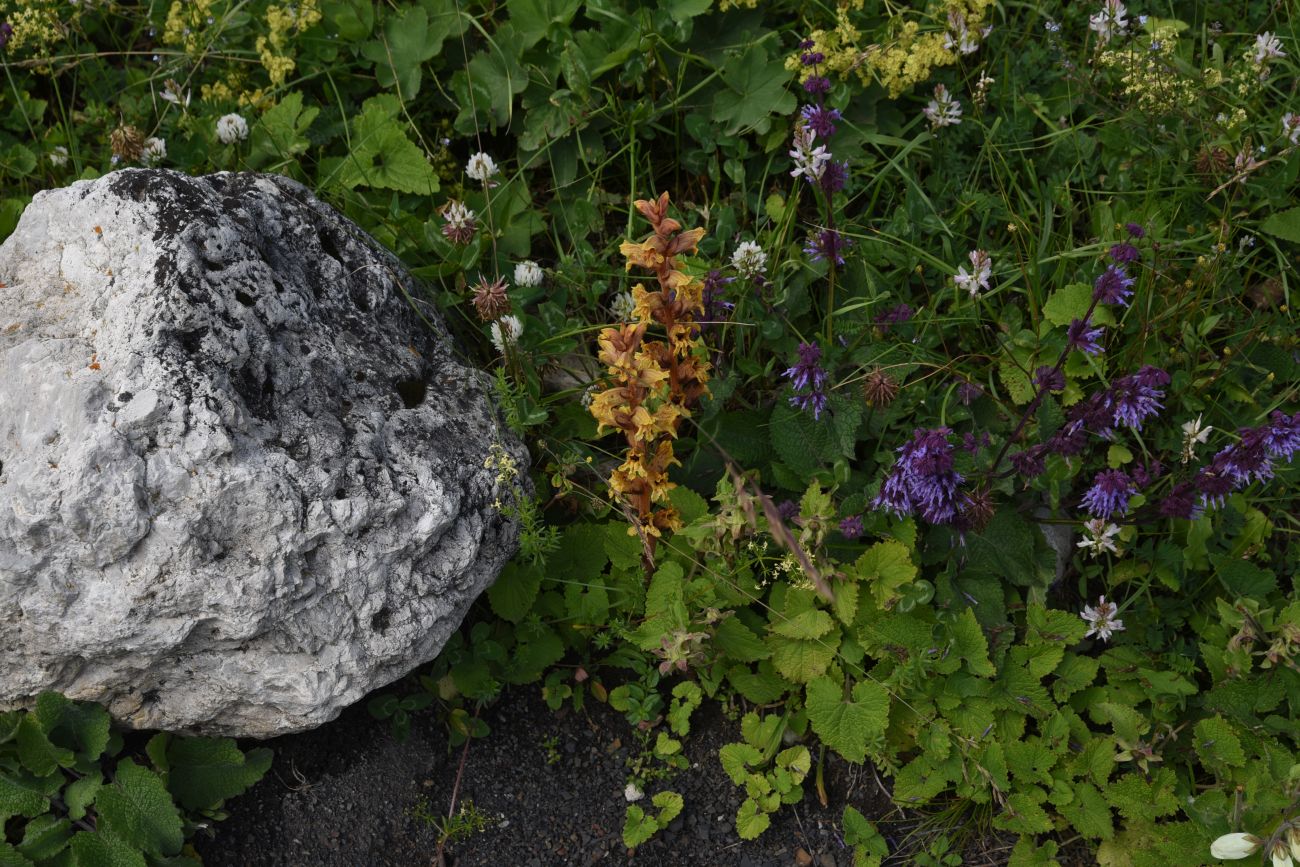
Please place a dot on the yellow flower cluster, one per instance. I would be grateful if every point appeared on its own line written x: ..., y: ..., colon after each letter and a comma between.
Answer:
x: 905, y: 59
x: 186, y: 25
x: 1149, y: 74
x: 38, y: 26
x: 653, y: 383
x: 283, y: 22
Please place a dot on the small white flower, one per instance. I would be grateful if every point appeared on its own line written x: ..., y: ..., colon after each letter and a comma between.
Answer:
x: 1052, y: 26
x: 513, y: 328
x: 1267, y: 47
x: 1230, y: 847
x: 1102, y: 620
x: 959, y: 36
x: 1101, y: 537
x: 171, y: 92
x: 808, y: 161
x: 528, y: 273
x: 1109, y: 21
x: 1291, y: 127
x: 749, y: 259
x: 231, y: 128
x: 59, y: 156
x: 943, y: 110
x: 1280, y: 856
x: 632, y: 793
x: 978, y: 277
x: 622, y: 306
x: 153, y: 152
x: 481, y: 168
x: 1193, y: 434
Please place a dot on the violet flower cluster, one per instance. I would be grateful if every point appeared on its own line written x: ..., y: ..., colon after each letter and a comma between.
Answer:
x: 812, y: 158
x: 809, y: 380
x: 923, y: 480
x: 1250, y: 459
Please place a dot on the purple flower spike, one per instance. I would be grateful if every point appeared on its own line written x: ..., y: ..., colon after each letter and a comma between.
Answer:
x: 817, y: 84
x: 923, y: 479
x: 1282, y: 438
x: 1109, y: 494
x: 1181, y: 502
x: 827, y: 244
x: 1049, y: 378
x: 1083, y: 338
x: 1135, y: 230
x: 820, y: 119
x: 851, y: 527
x: 1113, y: 287
x: 1030, y: 463
x: 812, y: 58
x: 1122, y: 254
x: 834, y: 177
x: 896, y: 315
x: 1136, y: 397
x: 809, y: 380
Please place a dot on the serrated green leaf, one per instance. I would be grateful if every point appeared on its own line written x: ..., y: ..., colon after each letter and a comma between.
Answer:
x: 886, y: 567
x: 969, y: 643
x: 638, y: 828
x: 751, y: 821
x: 138, y: 809
x: 755, y: 88
x: 11, y: 857
x: 81, y: 793
x: 104, y: 850
x: 36, y: 752
x: 1053, y: 627
x: 1089, y: 814
x: 515, y: 590
x: 403, y: 46
x: 1217, y: 743
x: 45, y: 836
x: 382, y: 157
x: 280, y: 134
x: 808, y: 625
x: 1023, y: 813
x: 1140, y: 799
x: 737, y: 641
x: 1284, y: 225
x: 761, y: 686
x: 204, y: 772
x: 737, y: 759
x: 20, y: 796
x: 801, y: 661
x: 847, y: 726
x: 1071, y: 302
x: 670, y: 806
x: 1074, y: 673
x: 1243, y: 578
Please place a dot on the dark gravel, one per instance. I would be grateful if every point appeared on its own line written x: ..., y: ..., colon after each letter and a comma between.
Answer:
x: 552, y: 783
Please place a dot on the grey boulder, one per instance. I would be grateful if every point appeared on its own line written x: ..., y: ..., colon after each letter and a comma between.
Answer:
x: 244, y: 479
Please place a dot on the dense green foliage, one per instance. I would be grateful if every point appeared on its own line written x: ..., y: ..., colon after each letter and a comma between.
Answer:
x: 72, y: 796
x: 949, y: 650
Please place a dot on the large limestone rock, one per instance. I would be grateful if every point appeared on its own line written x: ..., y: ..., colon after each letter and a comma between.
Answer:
x: 242, y: 478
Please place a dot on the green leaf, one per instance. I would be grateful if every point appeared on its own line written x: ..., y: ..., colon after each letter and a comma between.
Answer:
x: 847, y: 726
x: 11, y: 857
x: 886, y: 567
x: 204, y: 772
x: 1218, y: 745
x: 533, y: 19
x: 1089, y: 814
x: 80, y: 726
x: 138, y: 809
x: 670, y: 806
x: 36, y: 752
x: 44, y: 837
x: 801, y: 661
x: 515, y: 590
x: 1015, y: 380
x: 1024, y: 813
x: 495, y: 76
x: 352, y: 20
x: 402, y: 48
x: 1073, y: 674
x: 1052, y: 626
x: 762, y: 686
x: 861, y: 834
x: 638, y: 828
x: 280, y: 134
x: 382, y: 156
x: 738, y: 642
x: 969, y: 643
x: 811, y: 624
x: 1140, y: 799
x: 20, y: 796
x: 1284, y: 225
x: 755, y: 88
x: 737, y: 758
x: 104, y: 850
x: 81, y: 793
x: 1071, y: 302
x: 751, y: 821
x: 1243, y: 578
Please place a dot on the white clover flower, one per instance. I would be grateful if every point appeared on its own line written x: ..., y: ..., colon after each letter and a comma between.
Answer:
x: 1291, y: 127
x: 528, y: 273
x: 622, y: 306
x: 153, y: 152
x: 513, y: 328
x: 58, y: 157
x: 978, y: 277
x: 231, y: 128
x: 1193, y: 434
x: 632, y: 793
x: 481, y: 168
x: 1102, y: 620
x: 943, y: 110
x: 1101, y: 537
x: 749, y: 259
x: 1230, y: 847
x: 1109, y: 21
x: 1267, y: 47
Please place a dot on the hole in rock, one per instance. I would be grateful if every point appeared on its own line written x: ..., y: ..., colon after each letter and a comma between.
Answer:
x: 192, y: 341
x: 379, y: 622
x: 412, y: 392
x: 244, y: 298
